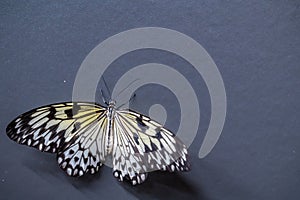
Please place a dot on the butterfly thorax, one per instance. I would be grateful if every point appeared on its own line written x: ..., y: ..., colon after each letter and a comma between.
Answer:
x: 110, y: 117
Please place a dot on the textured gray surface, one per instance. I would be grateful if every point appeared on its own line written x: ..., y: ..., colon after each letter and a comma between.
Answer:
x: 256, y: 46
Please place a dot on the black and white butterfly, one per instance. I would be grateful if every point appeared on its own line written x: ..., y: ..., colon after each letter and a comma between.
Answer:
x: 84, y: 135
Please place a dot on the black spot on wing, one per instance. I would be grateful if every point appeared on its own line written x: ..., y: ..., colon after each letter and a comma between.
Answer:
x: 147, y: 149
x: 136, y: 137
x: 52, y: 113
x: 141, y: 123
x: 154, y: 147
x: 72, y: 111
x: 76, y: 127
x: 158, y: 135
x: 69, y: 113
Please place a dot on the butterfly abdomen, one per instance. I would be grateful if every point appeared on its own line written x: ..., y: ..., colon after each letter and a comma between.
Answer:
x: 109, y: 135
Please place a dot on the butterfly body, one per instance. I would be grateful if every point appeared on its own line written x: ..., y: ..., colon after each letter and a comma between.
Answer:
x: 84, y: 135
x: 110, y: 116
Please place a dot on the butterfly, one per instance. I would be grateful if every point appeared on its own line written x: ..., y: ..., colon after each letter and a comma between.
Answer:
x: 86, y: 135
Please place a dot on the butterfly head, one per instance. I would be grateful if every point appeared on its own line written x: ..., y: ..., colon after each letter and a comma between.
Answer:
x: 112, y: 103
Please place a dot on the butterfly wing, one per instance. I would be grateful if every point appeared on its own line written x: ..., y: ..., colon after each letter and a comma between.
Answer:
x: 142, y: 145
x: 73, y: 130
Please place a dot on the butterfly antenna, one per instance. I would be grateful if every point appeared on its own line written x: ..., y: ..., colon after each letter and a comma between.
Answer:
x: 103, y: 98
x: 107, y: 88
x: 127, y: 87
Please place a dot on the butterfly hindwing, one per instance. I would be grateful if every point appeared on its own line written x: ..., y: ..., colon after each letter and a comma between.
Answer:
x: 142, y: 145
x: 86, y: 152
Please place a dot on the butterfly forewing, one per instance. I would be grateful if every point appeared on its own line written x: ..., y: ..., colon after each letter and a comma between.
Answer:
x: 69, y: 129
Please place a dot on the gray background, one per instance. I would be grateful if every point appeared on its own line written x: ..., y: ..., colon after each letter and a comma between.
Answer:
x: 256, y: 47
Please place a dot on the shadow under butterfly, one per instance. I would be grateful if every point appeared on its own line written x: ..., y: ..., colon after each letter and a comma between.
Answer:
x: 166, y: 186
